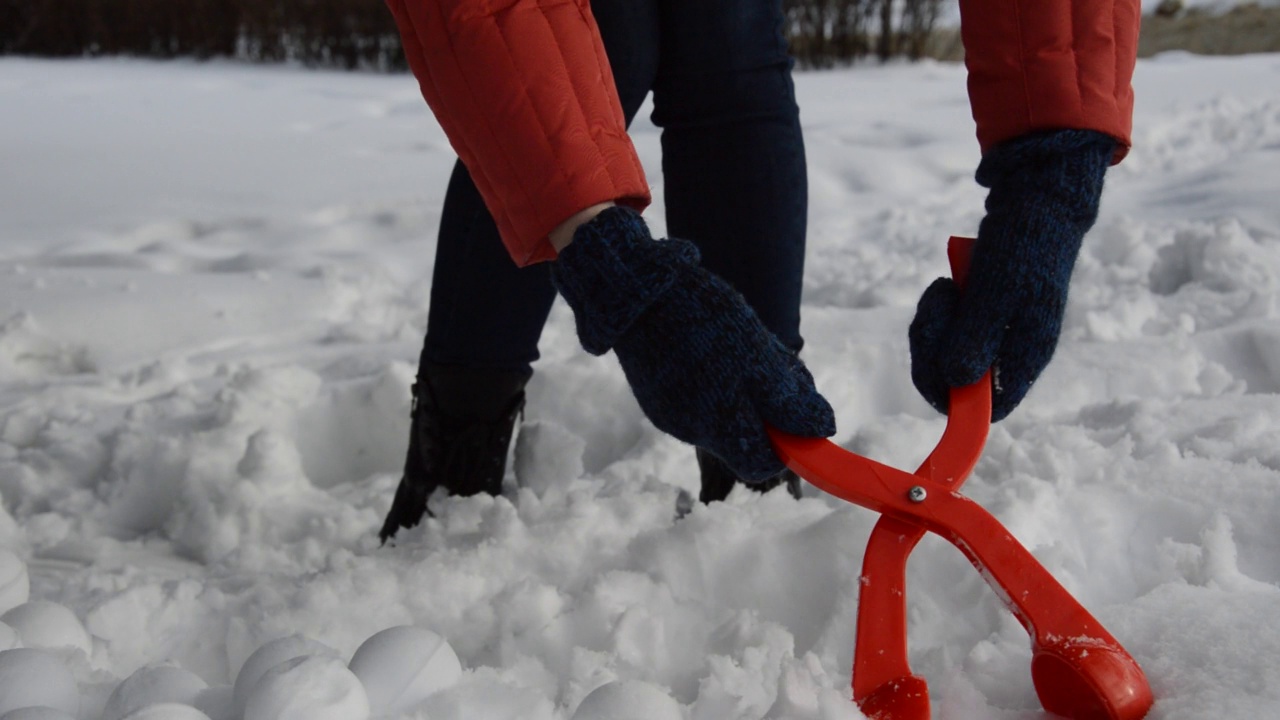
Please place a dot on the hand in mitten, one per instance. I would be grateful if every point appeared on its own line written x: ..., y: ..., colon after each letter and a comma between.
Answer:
x: 1045, y: 190
x: 701, y: 364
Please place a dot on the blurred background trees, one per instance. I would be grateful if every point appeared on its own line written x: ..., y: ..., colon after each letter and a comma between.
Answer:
x: 360, y: 34
x: 324, y: 33
x: 825, y: 33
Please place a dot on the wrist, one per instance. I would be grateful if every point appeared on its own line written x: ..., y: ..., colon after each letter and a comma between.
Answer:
x: 613, y: 271
x: 1045, y: 190
x: 562, y: 235
x: 1051, y: 153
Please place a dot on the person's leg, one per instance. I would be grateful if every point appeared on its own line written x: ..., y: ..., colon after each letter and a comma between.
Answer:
x: 486, y: 314
x: 732, y: 151
x: 734, y: 167
x: 630, y: 32
x: 483, y: 323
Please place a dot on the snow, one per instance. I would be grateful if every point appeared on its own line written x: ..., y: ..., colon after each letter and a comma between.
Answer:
x: 15, y: 585
x: 214, y: 287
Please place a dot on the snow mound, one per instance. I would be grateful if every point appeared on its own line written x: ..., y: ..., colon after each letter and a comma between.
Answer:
x: 15, y: 585
x: 9, y: 638
x: 219, y: 703
x: 547, y: 456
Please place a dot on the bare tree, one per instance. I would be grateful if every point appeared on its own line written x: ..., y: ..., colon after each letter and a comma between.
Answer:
x: 918, y: 20
x: 362, y: 34
x: 887, y: 40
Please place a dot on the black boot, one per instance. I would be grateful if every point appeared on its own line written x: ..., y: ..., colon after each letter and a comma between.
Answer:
x: 462, y: 421
x: 718, y: 479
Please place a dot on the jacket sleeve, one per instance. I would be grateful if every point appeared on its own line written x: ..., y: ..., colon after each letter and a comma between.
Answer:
x: 1051, y: 65
x: 524, y: 92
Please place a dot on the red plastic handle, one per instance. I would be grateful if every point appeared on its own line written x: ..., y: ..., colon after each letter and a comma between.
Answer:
x: 882, y: 678
x: 1079, y: 669
x: 959, y: 254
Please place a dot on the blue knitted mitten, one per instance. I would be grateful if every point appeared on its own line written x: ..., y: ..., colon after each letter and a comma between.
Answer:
x: 1045, y: 190
x: 701, y: 364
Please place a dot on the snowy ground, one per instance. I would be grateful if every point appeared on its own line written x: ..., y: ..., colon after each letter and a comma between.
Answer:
x: 1212, y: 6
x: 213, y: 282
x: 949, y: 10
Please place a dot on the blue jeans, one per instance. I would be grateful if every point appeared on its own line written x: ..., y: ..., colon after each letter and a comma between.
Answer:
x: 733, y: 167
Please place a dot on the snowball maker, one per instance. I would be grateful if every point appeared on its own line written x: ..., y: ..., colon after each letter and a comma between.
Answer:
x: 1080, y: 671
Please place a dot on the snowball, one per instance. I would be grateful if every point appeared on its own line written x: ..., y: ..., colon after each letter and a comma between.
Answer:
x: 308, y: 688
x: 219, y: 703
x: 401, y: 666
x: 34, y: 678
x: 628, y: 700
x: 48, y: 625
x: 166, y: 711
x: 152, y: 685
x: 271, y: 654
x: 37, y: 713
x: 15, y: 585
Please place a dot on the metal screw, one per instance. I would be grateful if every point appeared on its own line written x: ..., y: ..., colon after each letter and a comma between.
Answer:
x: 917, y: 494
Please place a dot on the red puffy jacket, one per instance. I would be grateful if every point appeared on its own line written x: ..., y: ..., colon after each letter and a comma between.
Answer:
x: 524, y: 92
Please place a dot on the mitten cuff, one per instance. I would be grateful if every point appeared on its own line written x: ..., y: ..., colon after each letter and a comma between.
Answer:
x: 1078, y: 153
x: 1045, y: 190
x: 613, y: 271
